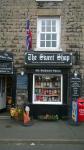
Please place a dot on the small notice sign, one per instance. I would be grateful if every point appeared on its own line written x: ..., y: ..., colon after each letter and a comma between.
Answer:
x: 22, y: 82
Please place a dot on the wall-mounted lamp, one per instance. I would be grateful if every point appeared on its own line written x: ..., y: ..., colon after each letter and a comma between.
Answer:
x: 22, y: 73
x: 75, y: 73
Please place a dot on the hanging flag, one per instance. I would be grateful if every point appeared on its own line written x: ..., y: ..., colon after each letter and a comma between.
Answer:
x: 28, y: 36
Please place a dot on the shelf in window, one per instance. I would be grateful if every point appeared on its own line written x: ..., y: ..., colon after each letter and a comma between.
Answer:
x: 54, y: 95
x: 46, y: 87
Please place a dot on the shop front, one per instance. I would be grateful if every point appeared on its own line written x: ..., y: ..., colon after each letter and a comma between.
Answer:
x: 6, y: 79
x: 48, y: 82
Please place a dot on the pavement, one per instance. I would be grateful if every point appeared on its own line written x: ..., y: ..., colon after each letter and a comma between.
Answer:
x: 61, y: 131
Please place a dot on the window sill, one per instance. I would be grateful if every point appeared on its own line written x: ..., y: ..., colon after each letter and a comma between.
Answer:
x: 47, y: 49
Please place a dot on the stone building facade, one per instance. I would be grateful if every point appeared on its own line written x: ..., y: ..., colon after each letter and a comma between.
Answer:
x: 13, y: 16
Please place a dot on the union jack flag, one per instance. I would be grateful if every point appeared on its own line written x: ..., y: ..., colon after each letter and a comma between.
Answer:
x: 28, y: 36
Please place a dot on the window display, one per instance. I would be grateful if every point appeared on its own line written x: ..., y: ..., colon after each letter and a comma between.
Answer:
x: 47, y: 88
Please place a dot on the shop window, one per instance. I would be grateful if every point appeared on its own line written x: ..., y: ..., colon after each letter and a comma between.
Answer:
x: 48, y: 33
x: 47, y: 89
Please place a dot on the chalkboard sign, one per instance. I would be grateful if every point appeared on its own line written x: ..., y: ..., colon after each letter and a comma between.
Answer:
x: 75, y: 83
x: 6, y: 68
x: 22, y: 82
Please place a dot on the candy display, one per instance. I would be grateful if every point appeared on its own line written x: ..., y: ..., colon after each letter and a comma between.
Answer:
x: 47, y: 88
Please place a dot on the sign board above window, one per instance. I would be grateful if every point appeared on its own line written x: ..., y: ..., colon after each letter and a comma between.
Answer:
x: 48, y: 0
x: 48, y: 58
x: 5, y: 56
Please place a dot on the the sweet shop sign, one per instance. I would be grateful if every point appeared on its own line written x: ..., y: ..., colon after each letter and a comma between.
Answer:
x: 37, y: 58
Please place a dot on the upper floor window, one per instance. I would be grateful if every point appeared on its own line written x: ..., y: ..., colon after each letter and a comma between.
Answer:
x: 48, y: 0
x: 48, y: 33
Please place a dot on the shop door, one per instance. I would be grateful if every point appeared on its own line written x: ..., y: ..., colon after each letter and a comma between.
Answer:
x: 2, y: 92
